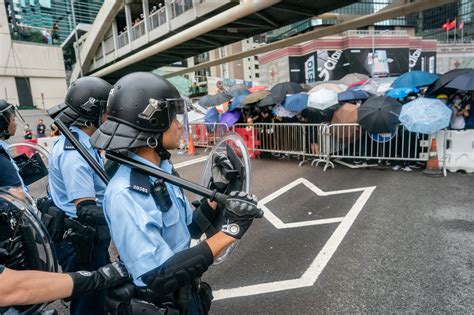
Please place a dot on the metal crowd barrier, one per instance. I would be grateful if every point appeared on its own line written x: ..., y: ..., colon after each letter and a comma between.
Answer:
x: 320, y: 143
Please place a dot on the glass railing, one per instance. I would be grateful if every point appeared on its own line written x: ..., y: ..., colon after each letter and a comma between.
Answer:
x: 178, y: 7
x: 122, y: 40
x: 158, y: 18
x: 138, y: 30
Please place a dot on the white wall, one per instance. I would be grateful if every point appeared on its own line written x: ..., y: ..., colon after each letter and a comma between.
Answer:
x: 53, y: 89
x: 8, y: 89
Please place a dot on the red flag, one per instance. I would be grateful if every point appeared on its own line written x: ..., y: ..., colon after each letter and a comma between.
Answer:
x: 461, y: 25
x: 451, y: 25
x: 445, y: 26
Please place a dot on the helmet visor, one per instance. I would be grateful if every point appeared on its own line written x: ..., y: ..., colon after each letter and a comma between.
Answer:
x: 181, y: 115
x: 11, y: 109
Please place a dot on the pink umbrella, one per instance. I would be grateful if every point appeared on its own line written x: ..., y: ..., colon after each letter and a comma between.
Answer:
x: 257, y: 88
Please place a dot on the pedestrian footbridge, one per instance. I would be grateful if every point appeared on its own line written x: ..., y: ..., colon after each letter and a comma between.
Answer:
x: 135, y: 35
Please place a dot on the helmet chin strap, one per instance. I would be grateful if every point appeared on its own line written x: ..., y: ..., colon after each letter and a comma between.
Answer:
x: 162, y: 152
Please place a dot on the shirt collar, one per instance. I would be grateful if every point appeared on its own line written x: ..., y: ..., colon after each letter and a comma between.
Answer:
x: 83, y: 137
x: 165, y: 165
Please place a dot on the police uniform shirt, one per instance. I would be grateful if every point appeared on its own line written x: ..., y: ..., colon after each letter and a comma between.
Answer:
x: 70, y: 177
x: 144, y: 236
x: 10, y: 172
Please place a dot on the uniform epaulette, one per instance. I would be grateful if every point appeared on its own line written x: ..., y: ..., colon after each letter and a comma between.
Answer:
x: 139, y: 182
x: 68, y: 145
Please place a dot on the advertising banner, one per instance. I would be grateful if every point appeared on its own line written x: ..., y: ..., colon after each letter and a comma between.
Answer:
x: 422, y: 60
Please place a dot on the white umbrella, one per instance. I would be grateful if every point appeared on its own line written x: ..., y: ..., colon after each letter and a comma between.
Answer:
x: 322, y: 99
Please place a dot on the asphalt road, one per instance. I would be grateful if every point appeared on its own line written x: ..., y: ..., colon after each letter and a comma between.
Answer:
x: 409, y: 249
x: 349, y: 241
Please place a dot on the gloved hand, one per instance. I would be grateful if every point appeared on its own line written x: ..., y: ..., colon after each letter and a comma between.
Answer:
x: 91, y: 214
x: 220, y: 171
x: 240, y: 210
x: 108, y: 276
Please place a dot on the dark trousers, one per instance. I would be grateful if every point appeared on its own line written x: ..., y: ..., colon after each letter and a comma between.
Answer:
x: 91, y: 304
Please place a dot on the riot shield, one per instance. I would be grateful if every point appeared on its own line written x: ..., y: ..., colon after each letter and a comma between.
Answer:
x: 24, y: 242
x: 233, y: 147
x: 32, y: 161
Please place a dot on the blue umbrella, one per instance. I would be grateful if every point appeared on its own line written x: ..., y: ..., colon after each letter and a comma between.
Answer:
x: 414, y: 79
x: 401, y: 92
x: 238, y: 92
x: 425, y: 115
x: 353, y: 95
x: 212, y: 115
x: 236, y: 102
x: 296, y: 102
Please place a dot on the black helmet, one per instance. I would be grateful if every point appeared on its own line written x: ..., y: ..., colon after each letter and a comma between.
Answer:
x: 85, y: 101
x: 6, y: 110
x: 141, y: 106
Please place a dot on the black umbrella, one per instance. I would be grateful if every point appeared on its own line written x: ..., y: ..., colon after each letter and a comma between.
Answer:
x: 214, y: 100
x: 238, y: 87
x: 267, y: 101
x: 379, y: 114
x: 280, y: 90
x: 439, y: 86
x: 317, y: 116
x: 464, y: 82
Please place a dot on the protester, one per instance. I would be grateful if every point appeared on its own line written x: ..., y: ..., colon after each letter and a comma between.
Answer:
x: 469, y: 113
x: 27, y: 132
x: 55, y: 130
x: 40, y: 129
x: 457, y: 118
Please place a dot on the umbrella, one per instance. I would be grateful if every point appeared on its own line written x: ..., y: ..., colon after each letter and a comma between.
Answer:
x: 346, y: 114
x: 213, y: 100
x: 377, y: 86
x: 236, y: 102
x: 464, y: 82
x: 212, y: 115
x: 238, y: 87
x: 414, y: 79
x: 352, y: 95
x: 267, y: 101
x: 439, y: 86
x: 401, y: 92
x: 236, y: 92
x: 230, y: 118
x: 322, y: 99
x: 352, y: 78
x: 328, y: 86
x: 425, y: 115
x: 280, y: 90
x: 379, y: 114
x: 257, y: 88
x: 281, y: 111
x: 296, y: 102
x: 357, y: 84
x: 255, y: 97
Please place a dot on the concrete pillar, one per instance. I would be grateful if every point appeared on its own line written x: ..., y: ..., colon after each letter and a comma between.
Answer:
x: 146, y: 16
x: 169, y: 15
x: 128, y: 18
x: 195, y: 5
x: 103, y: 50
x: 115, y: 35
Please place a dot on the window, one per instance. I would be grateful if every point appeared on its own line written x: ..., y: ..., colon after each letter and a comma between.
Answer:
x: 257, y: 75
x: 256, y: 66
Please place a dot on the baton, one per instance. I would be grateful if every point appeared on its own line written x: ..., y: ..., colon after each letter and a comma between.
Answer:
x: 213, y: 195
x: 82, y: 151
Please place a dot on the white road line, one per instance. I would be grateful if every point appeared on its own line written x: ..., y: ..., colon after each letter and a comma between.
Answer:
x: 190, y: 162
x: 311, y: 275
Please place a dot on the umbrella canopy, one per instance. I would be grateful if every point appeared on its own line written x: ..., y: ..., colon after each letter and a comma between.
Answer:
x: 322, y: 99
x: 346, y: 114
x: 255, y: 97
x: 379, y: 114
x: 439, y: 86
x: 355, y: 85
x: 267, y: 101
x: 328, y: 86
x: 351, y: 78
x: 238, y: 87
x: 236, y: 92
x: 352, y: 95
x: 464, y: 82
x: 377, y: 86
x: 296, y: 102
x: 230, y: 118
x: 213, y: 100
x: 280, y: 90
x: 414, y: 79
x: 401, y: 92
x: 236, y: 102
x: 257, y: 88
x: 212, y: 115
x: 281, y: 111
x: 425, y: 115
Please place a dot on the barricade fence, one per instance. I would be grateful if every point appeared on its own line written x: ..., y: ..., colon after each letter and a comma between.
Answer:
x: 319, y: 142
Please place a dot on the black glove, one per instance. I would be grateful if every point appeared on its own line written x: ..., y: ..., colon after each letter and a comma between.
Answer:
x: 221, y: 172
x: 108, y: 276
x: 240, y: 210
x: 90, y: 214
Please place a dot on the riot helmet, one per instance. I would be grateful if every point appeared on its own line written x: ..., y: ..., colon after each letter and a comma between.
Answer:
x: 141, y: 106
x: 6, y: 111
x: 85, y: 102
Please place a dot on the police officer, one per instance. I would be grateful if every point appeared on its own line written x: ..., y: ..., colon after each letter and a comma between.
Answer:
x: 151, y: 222
x: 77, y: 190
x: 10, y: 174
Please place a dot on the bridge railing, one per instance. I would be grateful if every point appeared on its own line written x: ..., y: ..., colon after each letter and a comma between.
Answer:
x: 122, y: 40
x: 158, y: 18
x: 178, y: 7
x: 138, y: 30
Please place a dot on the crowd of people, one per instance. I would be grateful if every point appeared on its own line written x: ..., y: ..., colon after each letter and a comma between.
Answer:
x: 41, y: 130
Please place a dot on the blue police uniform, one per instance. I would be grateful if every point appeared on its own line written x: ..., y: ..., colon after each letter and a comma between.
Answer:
x: 71, y: 178
x: 10, y: 171
x: 144, y: 235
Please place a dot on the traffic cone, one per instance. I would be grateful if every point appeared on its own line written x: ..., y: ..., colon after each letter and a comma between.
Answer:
x: 191, y: 148
x: 432, y: 166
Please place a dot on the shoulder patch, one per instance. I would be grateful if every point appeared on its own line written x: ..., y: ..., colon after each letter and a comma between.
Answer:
x: 3, y: 152
x: 139, y: 182
x: 68, y: 145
